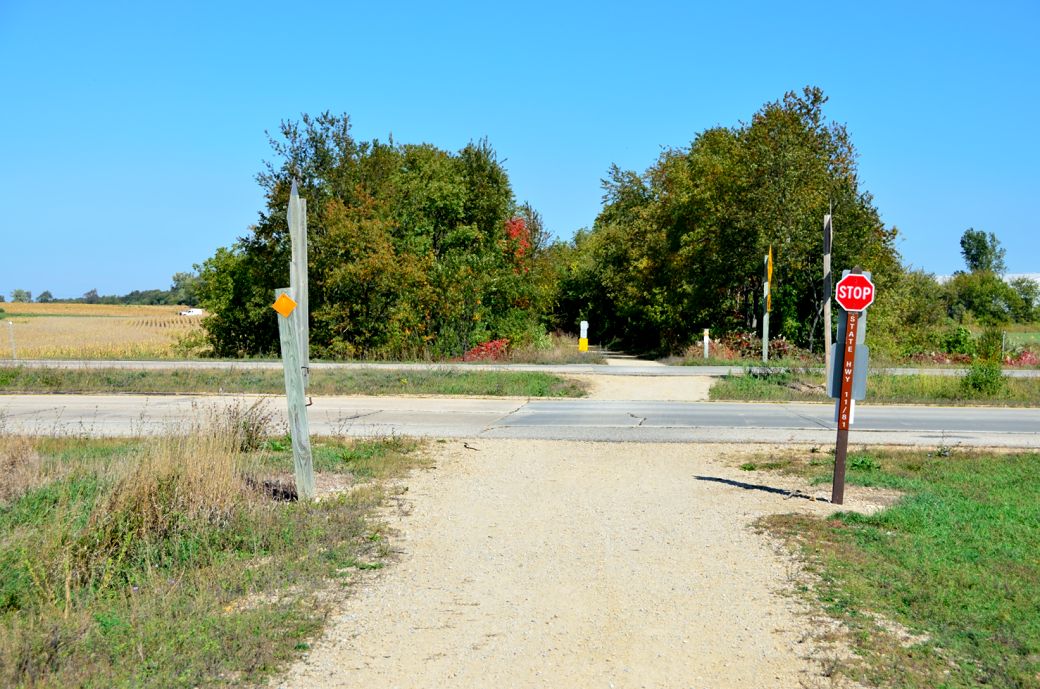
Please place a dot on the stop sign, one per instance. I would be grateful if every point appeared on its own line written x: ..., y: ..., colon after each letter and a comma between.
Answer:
x: 854, y: 292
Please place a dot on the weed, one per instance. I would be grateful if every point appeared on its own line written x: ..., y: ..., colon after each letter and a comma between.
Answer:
x: 984, y: 378
x: 20, y: 466
x: 155, y: 563
x: 863, y: 462
x: 248, y: 423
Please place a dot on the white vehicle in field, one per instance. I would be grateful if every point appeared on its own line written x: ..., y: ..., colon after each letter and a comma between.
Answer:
x: 191, y: 312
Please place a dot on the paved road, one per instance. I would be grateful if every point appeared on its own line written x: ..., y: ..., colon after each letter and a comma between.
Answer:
x: 116, y: 415
x: 618, y: 369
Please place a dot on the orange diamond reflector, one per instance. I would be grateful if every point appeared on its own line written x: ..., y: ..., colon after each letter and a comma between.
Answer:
x: 284, y: 305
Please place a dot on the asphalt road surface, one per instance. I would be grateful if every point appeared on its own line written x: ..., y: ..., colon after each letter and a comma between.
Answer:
x: 636, y: 421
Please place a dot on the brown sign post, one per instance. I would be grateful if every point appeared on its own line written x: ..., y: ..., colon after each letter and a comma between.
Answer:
x: 854, y: 293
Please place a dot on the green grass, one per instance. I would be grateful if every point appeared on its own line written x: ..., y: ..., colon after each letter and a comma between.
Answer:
x: 954, y: 561
x: 17, y: 379
x: 1022, y: 338
x: 741, y: 363
x: 881, y: 389
x: 103, y: 589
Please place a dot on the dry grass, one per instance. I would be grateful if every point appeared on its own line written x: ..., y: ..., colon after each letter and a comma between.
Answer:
x: 554, y: 350
x: 178, y: 484
x: 96, y: 331
x: 20, y: 467
x: 125, y: 563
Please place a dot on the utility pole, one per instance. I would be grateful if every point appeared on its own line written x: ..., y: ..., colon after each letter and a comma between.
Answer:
x: 827, y: 233
x: 297, y: 216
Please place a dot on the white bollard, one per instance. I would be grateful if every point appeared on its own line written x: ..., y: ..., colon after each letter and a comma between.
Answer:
x: 705, y: 343
x: 583, y: 341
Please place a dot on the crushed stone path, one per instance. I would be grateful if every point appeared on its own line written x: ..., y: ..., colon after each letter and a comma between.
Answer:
x: 568, y: 564
x: 639, y: 388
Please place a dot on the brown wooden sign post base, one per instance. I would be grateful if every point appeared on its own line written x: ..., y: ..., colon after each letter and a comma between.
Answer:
x: 841, y: 447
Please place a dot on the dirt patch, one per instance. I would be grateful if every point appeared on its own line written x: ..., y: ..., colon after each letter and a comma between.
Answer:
x: 566, y: 564
x: 660, y: 388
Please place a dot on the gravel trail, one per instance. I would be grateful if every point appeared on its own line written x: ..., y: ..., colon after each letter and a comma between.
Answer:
x: 563, y: 564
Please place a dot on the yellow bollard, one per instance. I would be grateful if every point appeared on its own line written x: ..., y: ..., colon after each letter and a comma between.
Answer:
x: 583, y: 344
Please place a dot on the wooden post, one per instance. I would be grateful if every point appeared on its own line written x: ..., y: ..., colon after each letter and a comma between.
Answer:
x: 14, y: 352
x: 299, y: 426
x: 827, y: 233
x: 297, y: 217
x: 841, y: 447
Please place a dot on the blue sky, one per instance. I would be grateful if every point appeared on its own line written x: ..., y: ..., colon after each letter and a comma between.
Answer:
x: 131, y: 132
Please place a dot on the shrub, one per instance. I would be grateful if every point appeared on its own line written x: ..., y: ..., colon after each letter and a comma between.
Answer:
x: 984, y: 378
x: 1025, y: 357
x: 958, y: 341
x: 493, y: 350
x: 991, y: 344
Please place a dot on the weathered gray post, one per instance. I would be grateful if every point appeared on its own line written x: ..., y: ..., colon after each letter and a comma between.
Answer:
x: 297, y: 216
x: 299, y: 426
x: 14, y: 352
x: 827, y: 233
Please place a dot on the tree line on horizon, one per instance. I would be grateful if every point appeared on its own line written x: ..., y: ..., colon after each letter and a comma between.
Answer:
x: 418, y: 252
x: 180, y: 293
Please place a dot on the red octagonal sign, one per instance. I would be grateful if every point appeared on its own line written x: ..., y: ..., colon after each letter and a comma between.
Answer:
x: 854, y: 292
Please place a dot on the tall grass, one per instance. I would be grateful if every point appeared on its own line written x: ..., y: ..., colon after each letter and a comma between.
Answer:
x: 166, y: 562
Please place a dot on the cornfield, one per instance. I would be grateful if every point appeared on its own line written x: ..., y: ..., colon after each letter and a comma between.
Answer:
x: 96, y: 331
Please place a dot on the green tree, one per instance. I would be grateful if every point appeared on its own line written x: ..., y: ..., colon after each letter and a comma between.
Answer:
x: 983, y: 295
x: 21, y: 295
x: 184, y: 289
x: 413, y: 251
x: 1025, y: 306
x: 45, y: 297
x: 982, y: 252
x: 680, y: 247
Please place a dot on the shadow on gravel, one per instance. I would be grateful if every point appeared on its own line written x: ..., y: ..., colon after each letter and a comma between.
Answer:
x: 765, y: 489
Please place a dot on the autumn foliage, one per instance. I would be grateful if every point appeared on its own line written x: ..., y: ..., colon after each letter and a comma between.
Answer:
x: 415, y: 252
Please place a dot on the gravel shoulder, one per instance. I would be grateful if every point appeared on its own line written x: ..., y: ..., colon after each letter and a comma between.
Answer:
x: 568, y: 564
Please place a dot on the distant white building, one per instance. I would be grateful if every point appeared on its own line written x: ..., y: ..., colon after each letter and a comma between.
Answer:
x: 191, y: 312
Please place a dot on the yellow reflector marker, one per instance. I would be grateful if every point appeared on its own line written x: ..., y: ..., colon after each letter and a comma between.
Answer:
x: 284, y: 305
